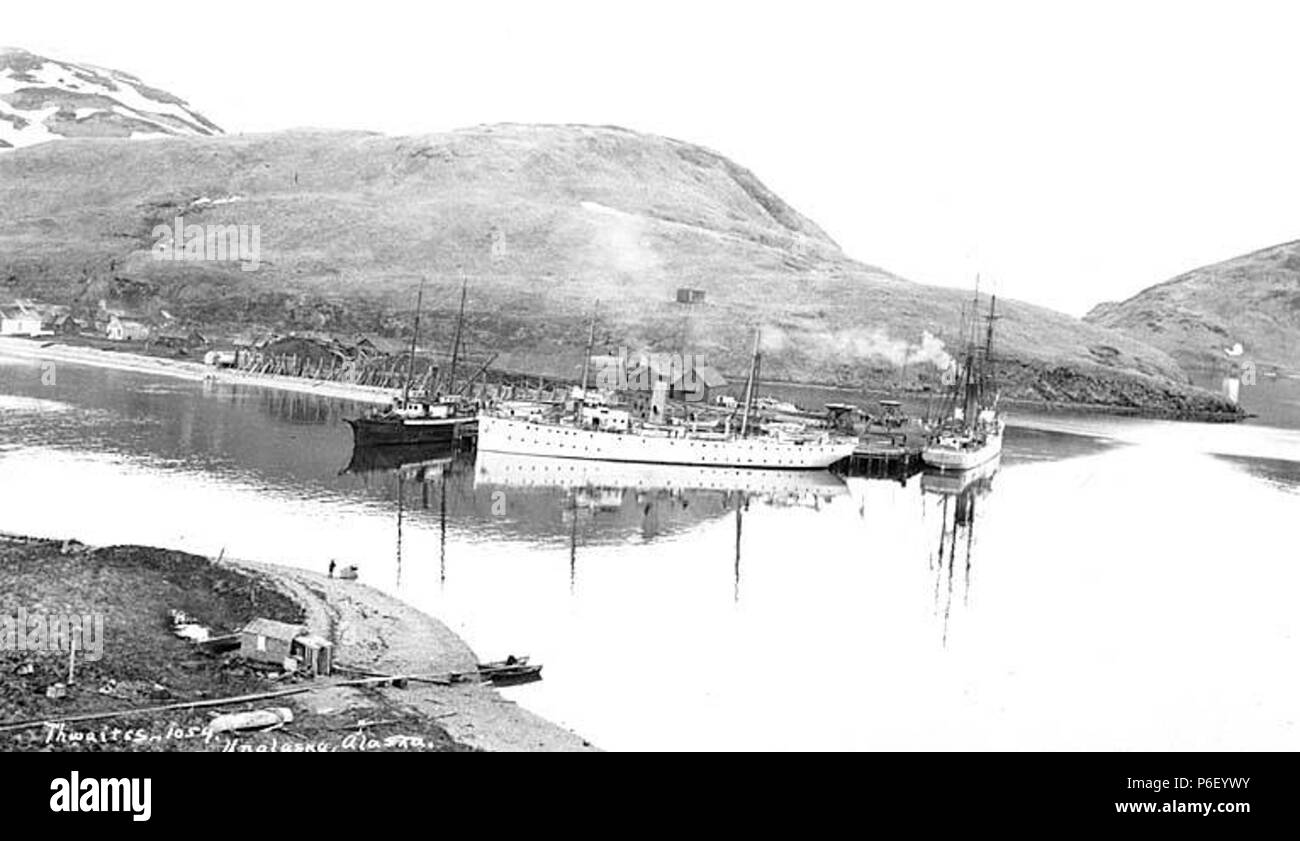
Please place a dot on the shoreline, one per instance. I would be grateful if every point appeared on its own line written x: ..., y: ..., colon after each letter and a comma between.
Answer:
x: 372, y: 633
x: 375, y: 631
x: 1033, y: 405
x: 50, y: 350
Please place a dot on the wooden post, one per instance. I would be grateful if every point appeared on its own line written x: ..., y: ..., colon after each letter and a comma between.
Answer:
x: 72, y: 655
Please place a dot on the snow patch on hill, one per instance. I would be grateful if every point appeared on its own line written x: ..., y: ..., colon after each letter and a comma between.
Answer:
x: 43, y: 99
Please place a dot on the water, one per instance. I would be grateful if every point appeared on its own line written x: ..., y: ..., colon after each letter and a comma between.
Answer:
x: 1117, y: 584
x: 1272, y: 399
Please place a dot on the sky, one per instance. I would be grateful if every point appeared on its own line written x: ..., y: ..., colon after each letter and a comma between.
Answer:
x: 1069, y: 153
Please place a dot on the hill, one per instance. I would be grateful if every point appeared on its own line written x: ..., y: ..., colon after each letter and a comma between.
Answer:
x: 543, y: 221
x: 1252, y: 300
x: 42, y: 99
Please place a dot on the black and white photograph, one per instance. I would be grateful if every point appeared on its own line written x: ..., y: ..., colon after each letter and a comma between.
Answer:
x: 628, y: 377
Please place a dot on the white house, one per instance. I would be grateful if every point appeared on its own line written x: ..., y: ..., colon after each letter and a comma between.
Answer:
x: 125, y: 330
x: 221, y: 358
x: 20, y: 320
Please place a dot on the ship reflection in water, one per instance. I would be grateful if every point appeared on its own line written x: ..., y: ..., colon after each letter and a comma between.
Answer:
x: 581, y: 501
x: 590, y: 503
x: 652, y: 497
x: 959, y: 496
x: 423, y: 466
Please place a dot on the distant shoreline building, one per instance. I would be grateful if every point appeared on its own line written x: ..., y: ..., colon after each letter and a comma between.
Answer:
x: 20, y: 319
x: 126, y: 330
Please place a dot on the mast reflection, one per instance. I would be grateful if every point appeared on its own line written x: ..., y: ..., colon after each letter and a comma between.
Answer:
x: 959, y: 496
x: 651, y: 499
x: 422, y: 465
x: 583, y: 505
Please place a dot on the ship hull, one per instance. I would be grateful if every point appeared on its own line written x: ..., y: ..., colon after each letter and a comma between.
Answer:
x: 369, y: 432
x: 504, y: 435
x: 958, y: 482
x: 516, y: 470
x: 959, y: 459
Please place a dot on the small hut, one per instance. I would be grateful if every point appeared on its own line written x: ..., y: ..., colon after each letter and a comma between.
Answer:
x: 177, y: 338
x: 291, y: 647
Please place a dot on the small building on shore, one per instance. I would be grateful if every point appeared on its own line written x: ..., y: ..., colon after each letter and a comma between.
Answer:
x: 126, y: 330
x: 253, y: 339
x: 64, y: 324
x: 177, y: 338
x: 307, y: 348
x: 288, y: 646
x: 221, y: 358
x: 706, y: 382
x: 687, y: 379
x: 364, y: 346
x: 20, y: 319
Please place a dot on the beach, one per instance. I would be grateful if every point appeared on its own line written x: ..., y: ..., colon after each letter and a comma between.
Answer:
x: 49, y: 350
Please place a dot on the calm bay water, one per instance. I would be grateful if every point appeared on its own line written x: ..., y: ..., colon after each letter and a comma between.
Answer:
x: 1116, y: 584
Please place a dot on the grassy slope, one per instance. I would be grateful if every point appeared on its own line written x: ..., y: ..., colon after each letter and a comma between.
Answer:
x: 543, y: 220
x: 1253, y: 299
x: 145, y: 665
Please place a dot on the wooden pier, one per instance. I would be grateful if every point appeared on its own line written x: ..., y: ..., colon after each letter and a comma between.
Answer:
x: 886, y: 456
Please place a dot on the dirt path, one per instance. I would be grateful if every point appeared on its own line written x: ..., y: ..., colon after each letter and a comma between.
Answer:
x: 376, y: 632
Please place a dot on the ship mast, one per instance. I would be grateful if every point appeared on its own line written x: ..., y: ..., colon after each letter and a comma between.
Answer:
x: 586, y: 364
x: 986, y: 377
x: 415, y: 337
x: 970, y: 379
x: 455, y: 345
x: 591, y: 342
x: 751, y: 385
x: 952, y: 395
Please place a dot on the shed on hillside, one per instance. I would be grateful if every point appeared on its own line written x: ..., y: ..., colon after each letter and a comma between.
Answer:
x: 278, y: 643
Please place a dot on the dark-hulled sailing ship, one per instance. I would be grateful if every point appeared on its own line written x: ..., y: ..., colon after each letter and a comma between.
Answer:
x: 420, y: 418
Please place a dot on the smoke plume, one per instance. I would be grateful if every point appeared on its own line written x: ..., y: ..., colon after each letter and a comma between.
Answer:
x: 862, y: 345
